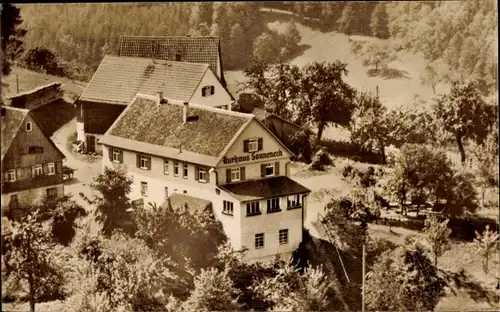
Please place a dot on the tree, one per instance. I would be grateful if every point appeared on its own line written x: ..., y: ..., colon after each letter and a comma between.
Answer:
x: 290, y: 39
x: 114, y: 185
x: 430, y: 77
x: 378, y: 55
x: 464, y: 114
x: 12, y: 34
x: 368, y: 124
x: 486, y: 243
x: 403, y: 280
x: 29, y: 259
x: 420, y: 174
x: 291, y: 290
x: 379, y: 20
x: 327, y: 98
x: 266, y: 46
x: 487, y: 163
x: 214, y: 291
x: 345, y: 20
x: 238, y: 44
x: 257, y: 82
x: 437, y: 234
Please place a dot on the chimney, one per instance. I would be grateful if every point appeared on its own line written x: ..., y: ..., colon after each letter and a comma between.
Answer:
x: 160, y: 97
x: 185, y: 112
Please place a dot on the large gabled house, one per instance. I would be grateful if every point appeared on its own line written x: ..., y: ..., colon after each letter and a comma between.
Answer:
x: 192, y: 49
x: 31, y: 162
x: 119, y: 78
x: 221, y: 160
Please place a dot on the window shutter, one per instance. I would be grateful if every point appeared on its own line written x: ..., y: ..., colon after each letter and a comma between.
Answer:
x: 203, y: 91
x: 277, y: 168
x: 196, y: 173
x: 260, y: 144
x: 121, y: 157
x: 149, y: 162
x: 228, y: 175
x: 245, y: 146
x: 212, y: 89
x: 242, y: 173
x: 207, y: 170
x: 138, y: 160
x: 262, y: 170
x: 110, y: 150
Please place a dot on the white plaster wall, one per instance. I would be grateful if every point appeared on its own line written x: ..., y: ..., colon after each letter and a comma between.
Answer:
x: 270, y: 224
x: 220, y: 96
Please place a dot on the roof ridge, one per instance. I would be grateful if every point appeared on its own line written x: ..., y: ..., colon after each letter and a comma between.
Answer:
x: 24, y: 110
x: 198, y: 106
x: 36, y: 89
x: 158, y: 60
x: 179, y: 36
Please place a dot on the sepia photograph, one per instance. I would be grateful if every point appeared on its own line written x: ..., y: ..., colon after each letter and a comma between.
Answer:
x: 250, y: 156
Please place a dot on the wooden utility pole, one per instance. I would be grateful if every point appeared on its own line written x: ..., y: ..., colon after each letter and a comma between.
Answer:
x: 17, y: 83
x: 377, y: 91
x: 363, y: 283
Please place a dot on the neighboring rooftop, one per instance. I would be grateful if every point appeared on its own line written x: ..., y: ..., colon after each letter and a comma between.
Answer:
x: 118, y: 79
x: 194, y: 49
x: 195, y: 204
x: 264, y: 188
x: 12, y: 121
x: 158, y: 128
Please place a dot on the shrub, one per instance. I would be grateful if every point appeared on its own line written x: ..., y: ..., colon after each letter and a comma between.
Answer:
x: 320, y: 160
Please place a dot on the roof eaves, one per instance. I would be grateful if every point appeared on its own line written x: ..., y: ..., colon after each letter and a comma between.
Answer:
x: 235, y: 137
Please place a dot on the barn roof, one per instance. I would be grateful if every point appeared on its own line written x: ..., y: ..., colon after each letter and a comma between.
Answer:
x: 11, y: 123
x: 158, y: 129
x: 118, y: 79
x: 193, y: 49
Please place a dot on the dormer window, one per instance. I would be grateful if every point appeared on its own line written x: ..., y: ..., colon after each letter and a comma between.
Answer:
x: 207, y: 91
x: 28, y: 126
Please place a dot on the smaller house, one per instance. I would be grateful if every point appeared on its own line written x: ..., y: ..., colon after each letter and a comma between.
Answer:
x: 31, y: 162
x: 118, y: 79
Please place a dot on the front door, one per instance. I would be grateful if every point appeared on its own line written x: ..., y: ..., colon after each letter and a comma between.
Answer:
x: 91, y: 144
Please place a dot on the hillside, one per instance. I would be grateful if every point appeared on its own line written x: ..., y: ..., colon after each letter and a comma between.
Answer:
x: 29, y: 80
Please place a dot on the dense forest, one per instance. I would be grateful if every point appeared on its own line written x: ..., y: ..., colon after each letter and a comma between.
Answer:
x: 458, y: 39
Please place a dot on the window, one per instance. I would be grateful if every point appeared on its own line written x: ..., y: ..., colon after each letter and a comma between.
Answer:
x: 176, y: 169
x: 273, y: 204
x: 144, y: 162
x: 253, y: 208
x: 28, y: 126
x: 178, y: 57
x: 259, y: 240
x: 116, y: 155
x: 283, y: 236
x: 185, y: 171
x: 269, y: 170
x: 207, y: 90
x: 235, y: 174
x: 144, y: 189
x: 184, y: 192
x: 166, y: 192
x: 51, y: 168
x: 293, y: 201
x: 11, y: 176
x: 253, y: 145
x: 35, y: 150
x: 165, y: 166
x: 202, y: 175
x: 14, y: 201
x: 37, y: 170
x: 52, y: 192
x: 228, y: 207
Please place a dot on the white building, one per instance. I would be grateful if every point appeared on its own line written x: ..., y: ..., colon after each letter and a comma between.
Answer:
x: 230, y: 159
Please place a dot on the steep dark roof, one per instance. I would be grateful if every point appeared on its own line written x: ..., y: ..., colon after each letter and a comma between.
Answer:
x: 178, y: 201
x: 161, y: 125
x: 11, y: 123
x: 265, y: 188
x: 198, y: 49
x: 118, y: 79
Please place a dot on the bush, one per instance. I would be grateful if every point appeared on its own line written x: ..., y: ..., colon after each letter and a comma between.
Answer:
x: 46, y: 61
x: 320, y: 160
